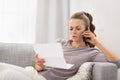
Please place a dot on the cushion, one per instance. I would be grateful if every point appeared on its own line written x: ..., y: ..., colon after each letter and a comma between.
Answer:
x: 84, y: 72
x: 18, y: 73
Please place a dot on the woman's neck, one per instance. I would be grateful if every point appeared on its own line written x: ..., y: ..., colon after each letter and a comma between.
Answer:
x: 78, y: 44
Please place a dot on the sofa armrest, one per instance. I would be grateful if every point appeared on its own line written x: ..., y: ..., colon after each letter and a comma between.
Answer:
x: 104, y: 71
x: 20, y: 54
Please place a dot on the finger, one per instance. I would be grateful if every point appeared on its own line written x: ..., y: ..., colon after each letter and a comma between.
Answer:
x: 36, y: 55
x: 87, y: 35
x: 40, y: 64
x: 87, y: 32
x: 42, y: 60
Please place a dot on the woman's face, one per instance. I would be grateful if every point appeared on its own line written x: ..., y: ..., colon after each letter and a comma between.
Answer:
x: 76, y: 27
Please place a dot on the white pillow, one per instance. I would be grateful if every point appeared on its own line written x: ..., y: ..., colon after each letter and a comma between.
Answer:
x: 84, y: 72
x: 13, y: 72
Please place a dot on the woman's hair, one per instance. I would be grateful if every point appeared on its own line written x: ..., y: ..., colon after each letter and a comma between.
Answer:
x: 88, y: 22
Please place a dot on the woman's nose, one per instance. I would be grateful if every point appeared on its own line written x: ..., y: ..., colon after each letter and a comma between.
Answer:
x: 74, y: 31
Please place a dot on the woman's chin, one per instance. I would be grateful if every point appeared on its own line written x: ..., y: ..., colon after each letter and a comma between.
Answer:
x: 75, y: 40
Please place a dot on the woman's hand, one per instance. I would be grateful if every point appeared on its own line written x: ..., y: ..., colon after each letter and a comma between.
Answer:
x: 39, y: 63
x: 92, y: 37
x: 109, y: 55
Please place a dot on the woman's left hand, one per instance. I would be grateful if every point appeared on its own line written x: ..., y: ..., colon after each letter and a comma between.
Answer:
x: 92, y: 37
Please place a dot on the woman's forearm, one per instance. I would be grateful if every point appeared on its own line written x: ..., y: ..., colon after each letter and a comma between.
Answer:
x: 109, y: 55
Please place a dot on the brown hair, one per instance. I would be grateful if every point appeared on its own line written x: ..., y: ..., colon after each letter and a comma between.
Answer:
x: 88, y: 22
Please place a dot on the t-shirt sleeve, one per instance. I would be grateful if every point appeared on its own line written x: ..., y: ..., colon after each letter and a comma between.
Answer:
x: 99, y: 57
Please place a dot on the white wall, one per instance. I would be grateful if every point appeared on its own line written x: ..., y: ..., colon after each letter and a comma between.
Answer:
x: 17, y: 21
x: 106, y: 14
x: 52, y: 20
x: 33, y: 21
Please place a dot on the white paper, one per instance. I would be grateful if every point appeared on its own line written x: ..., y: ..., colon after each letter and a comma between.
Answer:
x: 53, y: 55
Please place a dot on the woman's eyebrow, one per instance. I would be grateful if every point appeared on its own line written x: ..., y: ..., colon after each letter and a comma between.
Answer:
x: 77, y: 26
x: 71, y: 26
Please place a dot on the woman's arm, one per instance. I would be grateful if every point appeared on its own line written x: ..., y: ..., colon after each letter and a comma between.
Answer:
x: 109, y: 55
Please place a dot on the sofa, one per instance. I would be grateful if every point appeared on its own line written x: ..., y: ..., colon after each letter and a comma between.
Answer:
x: 22, y: 54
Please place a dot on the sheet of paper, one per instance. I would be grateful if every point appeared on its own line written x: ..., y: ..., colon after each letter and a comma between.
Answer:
x: 53, y: 55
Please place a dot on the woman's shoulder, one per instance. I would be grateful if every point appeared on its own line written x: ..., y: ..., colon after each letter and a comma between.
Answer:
x: 94, y: 50
x: 62, y: 41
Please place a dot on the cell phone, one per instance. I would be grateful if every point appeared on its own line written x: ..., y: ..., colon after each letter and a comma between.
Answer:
x: 84, y: 37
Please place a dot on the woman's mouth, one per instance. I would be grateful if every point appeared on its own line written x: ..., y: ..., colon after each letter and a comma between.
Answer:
x: 74, y: 36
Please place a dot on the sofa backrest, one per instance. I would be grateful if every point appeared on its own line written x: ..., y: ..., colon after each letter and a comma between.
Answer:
x: 17, y: 53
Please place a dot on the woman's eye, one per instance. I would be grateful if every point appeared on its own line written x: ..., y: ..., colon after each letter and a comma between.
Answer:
x: 78, y: 28
x: 71, y: 29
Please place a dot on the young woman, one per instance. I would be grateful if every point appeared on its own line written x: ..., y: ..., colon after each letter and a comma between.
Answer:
x: 79, y: 49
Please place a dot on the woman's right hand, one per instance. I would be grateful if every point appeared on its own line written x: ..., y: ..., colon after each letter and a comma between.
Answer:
x: 39, y: 63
